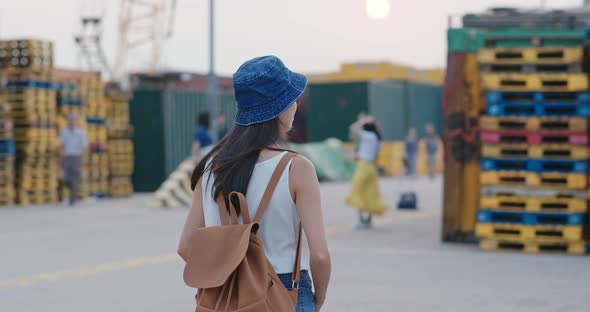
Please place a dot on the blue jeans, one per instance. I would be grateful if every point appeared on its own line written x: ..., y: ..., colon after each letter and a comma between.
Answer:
x: 305, y: 300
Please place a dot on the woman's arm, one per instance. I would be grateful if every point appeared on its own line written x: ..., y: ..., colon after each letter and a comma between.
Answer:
x: 194, y: 221
x: 305, y: 189
x: 354, y: 132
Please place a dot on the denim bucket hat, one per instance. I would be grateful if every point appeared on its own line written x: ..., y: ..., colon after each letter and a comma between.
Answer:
x: 264, y: 89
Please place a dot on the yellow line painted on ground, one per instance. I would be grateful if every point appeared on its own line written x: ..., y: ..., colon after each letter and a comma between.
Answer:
x: 57, y: 276
x: 88, y: 271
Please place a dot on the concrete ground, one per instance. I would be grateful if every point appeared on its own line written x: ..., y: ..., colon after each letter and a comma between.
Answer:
x: 119, y: 255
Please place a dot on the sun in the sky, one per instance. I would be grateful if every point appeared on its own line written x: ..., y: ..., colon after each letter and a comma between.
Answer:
x: 378, y: 9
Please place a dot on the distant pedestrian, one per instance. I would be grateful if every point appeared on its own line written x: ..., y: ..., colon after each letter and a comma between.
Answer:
x: 431, y: 140
x: 281, y: 193
x: 365, y: 195
x: 351, y: 130
x: 220, y: 124
x: 74, y: 151
x: 202, y: 137
x: 411, y: 152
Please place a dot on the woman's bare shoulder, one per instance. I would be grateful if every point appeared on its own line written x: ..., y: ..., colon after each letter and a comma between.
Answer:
x: 303, y: 168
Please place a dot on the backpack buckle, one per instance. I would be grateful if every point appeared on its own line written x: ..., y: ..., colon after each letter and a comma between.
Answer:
x: 294, y: 285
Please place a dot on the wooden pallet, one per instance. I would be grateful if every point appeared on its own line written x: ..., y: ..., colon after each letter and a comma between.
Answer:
x: 566, y: 152
x: 533, y: 137
x: 535, y: 82
x: 523, y: 178
x: 534, y: 124
x: 533, y: 204
x: 572, y: 248
x: 553, y: 55
x: 528, y: 233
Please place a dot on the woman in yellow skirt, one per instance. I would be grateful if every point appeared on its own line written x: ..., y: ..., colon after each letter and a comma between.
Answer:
x: 365, y: 195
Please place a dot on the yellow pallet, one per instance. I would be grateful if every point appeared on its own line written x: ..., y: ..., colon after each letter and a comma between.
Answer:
x: 522, y: 178
x: 536, y: 151
x: 512, y: 203
x: 535, y: 82
x: 533, y: 123
x: 531, y: 55
x: 540, y: 233
x: 573, y: 248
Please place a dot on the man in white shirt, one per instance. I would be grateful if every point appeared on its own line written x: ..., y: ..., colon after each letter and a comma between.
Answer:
x: 74, y: 147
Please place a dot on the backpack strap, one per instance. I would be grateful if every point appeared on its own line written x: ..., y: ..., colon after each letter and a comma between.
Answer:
x: 223, y: 213
x: 272, y: 184
x: 243, y: 206
x: 296, y: 276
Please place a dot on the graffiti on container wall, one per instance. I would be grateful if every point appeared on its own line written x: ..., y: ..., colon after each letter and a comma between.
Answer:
x: 461, y: 130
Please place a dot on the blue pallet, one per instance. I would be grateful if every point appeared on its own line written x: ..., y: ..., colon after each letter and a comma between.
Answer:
x: 534, y: 165
x: 96, y: 121
x: 530, y: 218
x: 7, y: 147
x: 68, y: 101
x: 507, y: 103
x: 30, y: 84
x: 538, y: 110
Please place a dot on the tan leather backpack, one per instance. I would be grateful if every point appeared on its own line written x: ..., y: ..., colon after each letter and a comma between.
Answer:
x: 228, y: 264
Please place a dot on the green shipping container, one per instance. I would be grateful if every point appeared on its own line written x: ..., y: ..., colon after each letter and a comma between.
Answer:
x: 387, y: 104
x: 424, y: 104
x: 332, y: 107
x: 397, y: 105
x: 164, y: 122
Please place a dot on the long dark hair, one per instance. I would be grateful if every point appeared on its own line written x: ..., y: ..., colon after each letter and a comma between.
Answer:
x: 372, y: 127
x: 234, y: 157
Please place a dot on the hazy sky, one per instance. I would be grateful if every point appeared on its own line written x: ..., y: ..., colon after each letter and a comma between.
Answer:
x: 310, y: 35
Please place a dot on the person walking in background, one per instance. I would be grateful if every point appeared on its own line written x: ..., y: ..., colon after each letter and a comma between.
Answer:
x: 221, y: 125
x: 411, y: 152
x: 250, y: 159
x: 365, y: 195
x: 360, y: 118
x: 431, y: 140
x: 74, y: 152
x: 202, y: 137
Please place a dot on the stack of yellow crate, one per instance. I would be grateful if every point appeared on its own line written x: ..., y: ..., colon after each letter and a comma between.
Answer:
x: 120, y: 145
x: 70, y: 101
x: 98, y: 167
x: 6, y: 156
x: 27, y: 66
x: 535, y: 154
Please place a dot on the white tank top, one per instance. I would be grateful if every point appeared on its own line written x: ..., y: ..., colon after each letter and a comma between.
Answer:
x: 280, y: 223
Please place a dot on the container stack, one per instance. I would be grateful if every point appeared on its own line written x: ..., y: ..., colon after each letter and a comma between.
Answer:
x: 69, y: 101
x: 7, y: 151
x: 27, y: 66
x: 534, y: 134
x: 98, y: 171
x: 120, y: 144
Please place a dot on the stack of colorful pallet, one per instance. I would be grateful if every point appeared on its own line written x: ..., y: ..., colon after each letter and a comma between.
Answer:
x: 69, y: 101
x: 27, y: 66
x: 7, y: 151
x: 98, y: 171
x: 535, y: 145
x: 120, y: 145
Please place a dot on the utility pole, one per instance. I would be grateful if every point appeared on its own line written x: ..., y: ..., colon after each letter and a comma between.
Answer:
x: 212, y: 96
